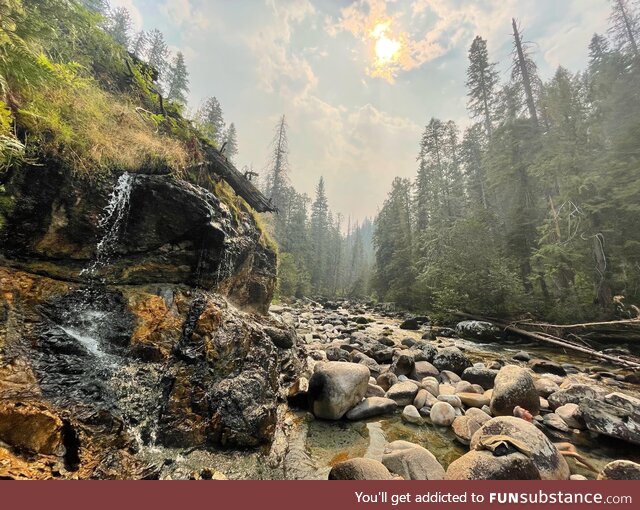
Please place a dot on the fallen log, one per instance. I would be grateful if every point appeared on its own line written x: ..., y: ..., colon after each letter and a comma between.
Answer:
x: 627, y: 362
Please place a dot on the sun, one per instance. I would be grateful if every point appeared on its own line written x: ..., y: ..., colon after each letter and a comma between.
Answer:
x: 387, y: 48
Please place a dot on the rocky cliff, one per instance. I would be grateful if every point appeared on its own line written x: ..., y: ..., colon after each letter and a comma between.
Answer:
x: 131, y: 314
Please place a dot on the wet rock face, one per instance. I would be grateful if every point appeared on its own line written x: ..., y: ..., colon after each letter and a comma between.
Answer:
x: 174, y: 233
x: 107, y: 350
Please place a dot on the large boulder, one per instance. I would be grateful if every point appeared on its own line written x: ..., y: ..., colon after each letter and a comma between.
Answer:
x: 616, y: 416
x: 620, y: 470
x: 423, y: 369
x: 545, y: 456
x: 484, y: 377
x: 543, y: 366
x: 370, y: 407
x: 483, y: 465
x: 478, y: 330
x: 514, y: 387
x: 336, y: 387
x: 451, y: 358
x: 412, y: 462
x: 360, y: 469
x: 575, y: 394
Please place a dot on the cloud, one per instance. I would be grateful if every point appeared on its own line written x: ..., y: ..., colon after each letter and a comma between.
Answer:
x: 136, y: 15
x: 280, y: 68
x: 182, y: 13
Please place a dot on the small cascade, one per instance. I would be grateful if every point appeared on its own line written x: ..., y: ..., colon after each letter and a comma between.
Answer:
x: 226, y: 266
x: 112, y: 223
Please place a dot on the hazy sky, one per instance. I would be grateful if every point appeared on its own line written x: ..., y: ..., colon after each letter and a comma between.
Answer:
x: 357, y: 80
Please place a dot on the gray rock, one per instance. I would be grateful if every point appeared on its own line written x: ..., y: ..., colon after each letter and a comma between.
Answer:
x: 360, y: 469
x: 546, y: 457
x: 554, y: 421
x: 411, y: 415
x: 478, y: 330
x: 442, y: 414
x: 485, y: 377
x: 370, y: 407
x: 336, y: 387
x: 482, y: 465
x: 543, y: 366
x: 451, y: 358
x: 423, y: 369
x: 448, y: 377
x: 522, y: 356
x: 546, y: 387
x: 402, y: 365
x: 478, y: 415
x: 620, y: 470
x: 386, y: 380
x: 431, y: 385
x: 571, y: 415
x: 514, y: 387
x: 404, y: 393
x: 611, y: 420
x: 373, y: 390
x: 454, y: 400
x: 575, y: 394
x: 412, y: 462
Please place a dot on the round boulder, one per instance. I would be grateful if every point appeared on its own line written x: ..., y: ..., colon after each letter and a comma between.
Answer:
x: 451, y: 358
x: 360, y: 469
x: 482, y: 465
x: 442, y: 414
x: 514, y: 387
x: 545, y: 456
x: 412, y: 462
x: 336, y: 387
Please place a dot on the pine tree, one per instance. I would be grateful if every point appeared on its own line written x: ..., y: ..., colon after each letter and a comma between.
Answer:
x: 482, y: 80
x: 210, y: 121
x: 139, y: 44
x: 625, y: 27
x: 319, y: 237
x: 524, y: 73
x: 231, y: 142
x: 158, y: 53
x: 119, y: 26
x: 178, y: 81
x: 279, y: 166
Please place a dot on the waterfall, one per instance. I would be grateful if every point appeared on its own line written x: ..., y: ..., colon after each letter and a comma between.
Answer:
x: 112, y: 223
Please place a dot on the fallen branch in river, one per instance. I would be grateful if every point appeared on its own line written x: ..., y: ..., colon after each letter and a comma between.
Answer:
x: 625, y: 361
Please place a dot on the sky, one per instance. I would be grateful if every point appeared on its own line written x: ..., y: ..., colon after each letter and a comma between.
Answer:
x: 357, y: 80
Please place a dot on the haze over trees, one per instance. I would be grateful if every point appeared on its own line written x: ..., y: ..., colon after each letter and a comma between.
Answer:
x: 534, y: 207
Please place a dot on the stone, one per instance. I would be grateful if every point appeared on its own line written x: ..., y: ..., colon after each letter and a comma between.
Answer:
x: 337, y: 354
x: 442, y: 414
x: 410, y: 325
x: 370, y: 407
x: 482, y: 465
x: 336, y: 387
x: 522, y: 356
x: 620, y: 470
x: 578, y: 478
x: 514, y: 387
x: 446, y: 389
x: 464, y: 427
x: 574, y: 394
x: 545, y: 456
x: 546, y: 387
x: 543, y: 366
x: 360, y: 469
x: 282, y: 338
x: 448, y: 377
x: 31, y: 427
x: 423, y: 369
x: 474, y: 399
x: 373, y: 390
x: 611, y: 420
x: 485, y: 377
x: 451, y: 358
x: 411, y: 415
x: 431, y: 385
x: 403, y: 364
x: 466, y: 387
x: 421, y: 398
x: 386, y: 380
x: 454, y: 400
x: 363, y: 359
x: 412, y: 462
x: 571, y: 415
x: 478, y: 415
x: 555, y: 422
x: 478, y: 330
x: 404, y: 393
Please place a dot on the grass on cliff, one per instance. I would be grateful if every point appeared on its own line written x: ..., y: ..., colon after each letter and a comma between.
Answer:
x: 70, y: 93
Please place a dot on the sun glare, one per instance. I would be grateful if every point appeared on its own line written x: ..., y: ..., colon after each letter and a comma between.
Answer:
x: 386, y: 49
